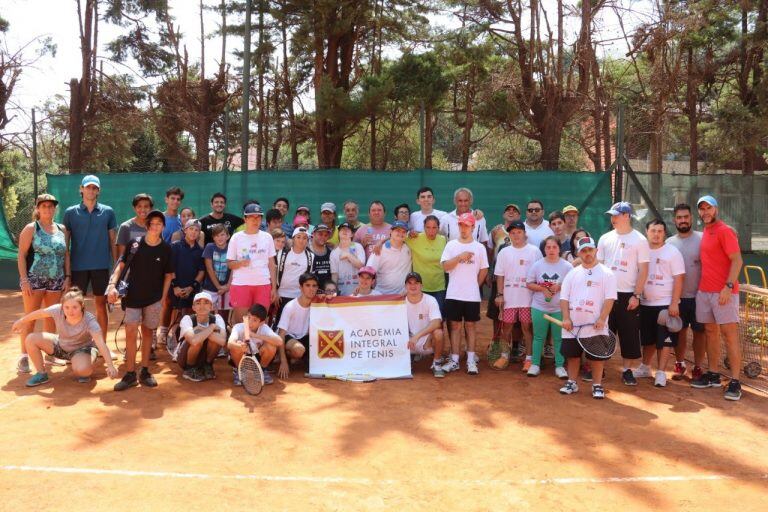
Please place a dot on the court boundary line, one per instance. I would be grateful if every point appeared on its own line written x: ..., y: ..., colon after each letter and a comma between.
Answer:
x: 371, y: 481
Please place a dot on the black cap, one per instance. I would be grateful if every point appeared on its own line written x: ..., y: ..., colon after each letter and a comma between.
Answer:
x: 515, y: 224
x: 413, y: 275
x: 346, y: 225
x: 155, y: 213
x: 323, y: 227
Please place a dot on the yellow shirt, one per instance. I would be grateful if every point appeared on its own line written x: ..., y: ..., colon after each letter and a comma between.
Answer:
x: 426, y: 254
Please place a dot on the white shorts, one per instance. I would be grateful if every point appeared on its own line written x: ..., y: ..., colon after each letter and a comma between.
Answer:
x: 419, y: 348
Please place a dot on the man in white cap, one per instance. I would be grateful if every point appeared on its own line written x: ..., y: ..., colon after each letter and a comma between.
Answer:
x: 625, y: 251
x: 717, y: 301
x: 425, y: 323
x: 203, y: 334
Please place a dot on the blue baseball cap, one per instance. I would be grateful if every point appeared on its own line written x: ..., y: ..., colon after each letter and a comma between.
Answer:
x: 398, y: 224
x: 707, y: 199
x: 619, y: 208
x: 90, y: 180
x: 252, y: 209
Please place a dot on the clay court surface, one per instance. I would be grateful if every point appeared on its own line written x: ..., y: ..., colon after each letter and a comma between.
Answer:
x: 493, y: 442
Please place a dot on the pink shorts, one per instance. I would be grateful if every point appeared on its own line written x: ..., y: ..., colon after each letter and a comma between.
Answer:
x: 244, y: 296
x: 512, y: 315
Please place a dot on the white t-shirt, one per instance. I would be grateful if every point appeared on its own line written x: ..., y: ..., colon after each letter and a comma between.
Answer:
x: 417, y: 219
x: 295, y: 319
x: 462, y: 282
x: 622, y: 254
x: 543, y: 272
x: 513, y: 264
x: 586, y: 290
x: 295, y: 265
x: 259, y: 248
x: 347, y: 280
x: 264, y: 330
x: 391, y: 266
x: 373, y: 292
x: 449, y: 226
x: 422, y: 313
x: 666, y: 263
x: 538, y: 234
x: 185, y: 325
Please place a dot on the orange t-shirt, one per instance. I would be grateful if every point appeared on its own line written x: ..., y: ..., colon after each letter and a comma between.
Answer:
x: 718, y: 242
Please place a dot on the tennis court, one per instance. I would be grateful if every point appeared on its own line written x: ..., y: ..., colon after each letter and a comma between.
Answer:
x: 471, y: 443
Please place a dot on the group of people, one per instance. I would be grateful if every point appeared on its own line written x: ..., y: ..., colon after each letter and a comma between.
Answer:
x: 226, y: 284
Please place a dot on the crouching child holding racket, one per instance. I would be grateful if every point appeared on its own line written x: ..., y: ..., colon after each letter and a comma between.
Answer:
x: 253, y: 337
x: 587, y: 296
x: 202, y: 333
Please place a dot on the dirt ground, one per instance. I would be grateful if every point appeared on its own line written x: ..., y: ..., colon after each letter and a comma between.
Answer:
x: 490, y: 442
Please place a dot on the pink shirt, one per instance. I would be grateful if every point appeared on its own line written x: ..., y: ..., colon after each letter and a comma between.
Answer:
x: 377, y: 233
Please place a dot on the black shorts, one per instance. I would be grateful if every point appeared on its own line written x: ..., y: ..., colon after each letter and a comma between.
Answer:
x: 626, y: 325
x: 98, y: 280
x: 440, y: 298
x: 570, y: 348
x: 459, y: 310
x: 688, y: 314
x: 651, y: 333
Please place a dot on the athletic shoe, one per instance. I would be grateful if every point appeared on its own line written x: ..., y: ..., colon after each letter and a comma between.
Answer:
x: 661, y: 379
x: 696, y: 373
x: 83, y: 380
x: 128, y: 381
x: 642, y: 371
x: 549, y: 352
x: 472, y: 367
x: 707, y: 380
x: 208, y: 372
x: 37, y: 379
x: 561, y: 373
x: 22, y: 365
x: 152, y: 354
x: 679, y: 372
x: 527, y: 365
x: 598, y: 393
x: 146, y: 378
x: 194, y: 374
x: 437, y: 370
x: 586, y: 375
x: 268, y: 379
x: 236, y: 377
x: 451, y: 366
x: 222, y: 353
x: 628, y: 378
x: 570, y: 388
x: 534, y: 370
x: 733, y: 392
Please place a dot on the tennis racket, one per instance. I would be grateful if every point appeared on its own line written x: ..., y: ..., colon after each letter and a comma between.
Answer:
x: 120, y: 343
x: 251, y: 375
x: 601, y: 346
x: 348, y: 377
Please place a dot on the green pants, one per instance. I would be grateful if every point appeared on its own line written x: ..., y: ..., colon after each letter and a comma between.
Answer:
x: 541, y: 327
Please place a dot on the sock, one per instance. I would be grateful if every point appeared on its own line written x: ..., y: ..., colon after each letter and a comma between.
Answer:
x: 528, y: 358
x: 455, y: 357
x: 470, y: 356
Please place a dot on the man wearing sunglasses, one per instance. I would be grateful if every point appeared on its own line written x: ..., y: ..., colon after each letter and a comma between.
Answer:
x: 536, y: 227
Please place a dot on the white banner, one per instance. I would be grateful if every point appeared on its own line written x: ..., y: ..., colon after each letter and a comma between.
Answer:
x: 359, y: 336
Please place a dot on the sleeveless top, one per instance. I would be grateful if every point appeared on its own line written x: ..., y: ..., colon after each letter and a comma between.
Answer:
x: 49, y: 251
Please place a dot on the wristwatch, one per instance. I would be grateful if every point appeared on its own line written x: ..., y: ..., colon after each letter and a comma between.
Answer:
x: 729, y: 286
x: 638, y: 296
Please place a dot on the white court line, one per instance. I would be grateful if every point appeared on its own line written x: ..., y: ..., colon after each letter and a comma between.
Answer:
x: 8, y: 404
x: 370, y: 481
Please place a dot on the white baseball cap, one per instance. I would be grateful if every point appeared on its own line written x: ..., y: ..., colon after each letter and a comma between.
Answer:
x: 203, y: 296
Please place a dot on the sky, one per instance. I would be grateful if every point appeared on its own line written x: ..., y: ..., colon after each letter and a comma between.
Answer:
x: 33, y: 20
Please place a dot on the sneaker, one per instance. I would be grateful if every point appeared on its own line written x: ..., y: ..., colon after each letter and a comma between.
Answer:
x: 697, y: 372
x: 268, y: 379
x: 128, y: 381
x: 586, y: 375
x: 437, y: 370
x: 679, y: 372
x: 22, y: 365
x: 549, y: 352
x: 236, y: 377
x: 472, y: 367
x: 707, y: 380
x: 628, y: 378
x: 661, y: 379
x: 527, y: 365
x: 194, y: 374
x: 37, y: 379
x: 451, y: 366
x: 534, y: 370
x: 733, y: 391
x: 570, y: 388
x: 147, y: 379
x: 83, y: 380
x: 642, y: 371
x: 598, y: 393
x: 208, y: 372
x: 561, y: 373
x: 222, y: 353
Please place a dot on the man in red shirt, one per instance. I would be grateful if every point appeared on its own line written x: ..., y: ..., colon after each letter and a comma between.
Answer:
x: 717, y: 301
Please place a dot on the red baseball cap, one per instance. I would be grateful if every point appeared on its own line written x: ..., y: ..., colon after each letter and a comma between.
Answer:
x: 467, y: 218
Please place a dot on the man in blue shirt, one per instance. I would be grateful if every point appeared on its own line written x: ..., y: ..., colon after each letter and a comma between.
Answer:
x: 173, y: 198
x: 92, y: 235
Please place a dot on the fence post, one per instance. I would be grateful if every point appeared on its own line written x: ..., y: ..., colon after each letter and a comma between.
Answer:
x: 618, y: 185
x: 34, y: 153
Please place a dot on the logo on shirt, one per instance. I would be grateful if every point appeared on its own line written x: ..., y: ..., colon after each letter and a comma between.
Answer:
x: 330, y: 344
x: 589, y: 284
x: 421, y: 316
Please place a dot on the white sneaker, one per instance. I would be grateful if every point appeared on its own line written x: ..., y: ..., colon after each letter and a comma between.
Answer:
x: 561, y: 373
x: 22, y: 365
x: 570, y: 388
x: 661, y: 379
x: 534, y: 370
x: 472, y: 367
x: 451, y: 366
x: 642, y: 371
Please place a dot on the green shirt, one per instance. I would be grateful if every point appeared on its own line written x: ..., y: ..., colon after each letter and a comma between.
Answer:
x: 426, y: 255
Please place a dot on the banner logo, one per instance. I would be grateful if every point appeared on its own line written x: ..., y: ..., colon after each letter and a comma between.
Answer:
x: 330, y: 344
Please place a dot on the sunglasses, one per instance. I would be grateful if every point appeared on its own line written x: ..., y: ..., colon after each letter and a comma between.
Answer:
x: 534, y: 210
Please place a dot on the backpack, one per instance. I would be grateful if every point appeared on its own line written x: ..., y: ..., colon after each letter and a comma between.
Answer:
x: 284, y: 255
x: 173, y: 341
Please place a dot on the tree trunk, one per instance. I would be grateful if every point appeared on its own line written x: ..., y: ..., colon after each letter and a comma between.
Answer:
x: 607, y: 144
x: 691, y: 102
x: 289, y: 100
x: 373, y: 141
x: 551, y: 136
x: 429, y: 128
x: 76, y: 128
x: 81, y: 92
x: 260, y: 146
